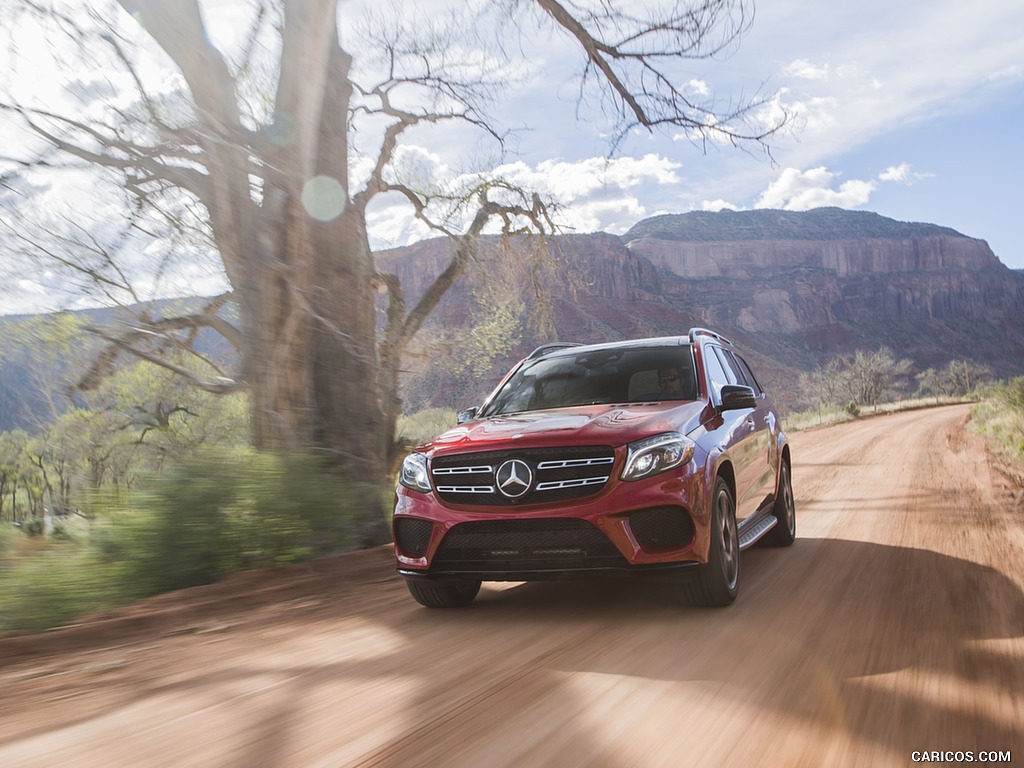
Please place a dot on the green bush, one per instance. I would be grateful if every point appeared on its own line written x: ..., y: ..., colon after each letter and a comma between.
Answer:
x: 54, y: 586
x: 216, y: 513
x: 1001, y: 414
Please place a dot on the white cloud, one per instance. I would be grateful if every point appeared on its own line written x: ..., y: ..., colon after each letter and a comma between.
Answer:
x: 902, y: 174
x: 1011, y: 73
x: 593, y: 194
x: 804, y: 69
x: 899, y: 172
x: 699, y: 87
x: 796, y: 190
x: 32, y: 287
x: 568, y: 181
x: 718, y: 205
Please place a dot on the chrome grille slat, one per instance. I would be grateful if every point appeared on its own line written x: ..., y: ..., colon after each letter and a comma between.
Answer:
x: 560, y: 474
x: 465, y: 489
x: 577, y: 483
x: 569, y: 463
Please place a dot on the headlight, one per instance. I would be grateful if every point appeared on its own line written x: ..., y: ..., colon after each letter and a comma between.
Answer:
x: 656, y: 454
x: 414, y: 473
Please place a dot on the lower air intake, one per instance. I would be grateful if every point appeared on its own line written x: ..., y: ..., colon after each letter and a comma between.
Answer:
x: 661, y: 528
x: 412, y: 536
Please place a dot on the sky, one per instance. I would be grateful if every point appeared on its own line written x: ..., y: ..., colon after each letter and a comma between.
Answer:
x: 911, y: 109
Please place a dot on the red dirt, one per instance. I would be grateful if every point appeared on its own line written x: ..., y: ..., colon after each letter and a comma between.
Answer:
x: 895, y: 624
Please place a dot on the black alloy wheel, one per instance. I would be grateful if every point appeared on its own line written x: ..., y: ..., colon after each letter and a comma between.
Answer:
x: 718, y: 582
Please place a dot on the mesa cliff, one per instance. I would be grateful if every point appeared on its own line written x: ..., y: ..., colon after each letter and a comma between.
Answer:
x: 794, y: 289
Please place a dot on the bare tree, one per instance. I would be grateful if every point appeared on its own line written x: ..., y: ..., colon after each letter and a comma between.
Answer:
x: 271, y: 172
x: 822, y: 385
x: 958, y: 379
x: 870, y: 377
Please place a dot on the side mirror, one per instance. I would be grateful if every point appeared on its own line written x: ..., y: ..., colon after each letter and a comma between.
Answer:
x: 737, y: 396
x: 467, y: 415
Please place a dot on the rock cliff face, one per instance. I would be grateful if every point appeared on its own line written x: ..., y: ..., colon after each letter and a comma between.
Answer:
x: 790, y: 287
x: 815, y: 291
x: 874, y: 256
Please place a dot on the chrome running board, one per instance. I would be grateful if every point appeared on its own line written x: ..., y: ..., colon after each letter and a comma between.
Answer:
x: 765, y: 524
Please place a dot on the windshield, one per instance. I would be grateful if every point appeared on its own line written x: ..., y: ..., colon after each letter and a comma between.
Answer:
x: 642, y: 375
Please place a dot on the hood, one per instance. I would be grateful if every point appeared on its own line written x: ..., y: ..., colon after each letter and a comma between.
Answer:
x: 612, y: 425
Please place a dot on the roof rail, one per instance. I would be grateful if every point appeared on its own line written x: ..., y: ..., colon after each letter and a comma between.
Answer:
x: 544, y: 349
x: 695, y: 332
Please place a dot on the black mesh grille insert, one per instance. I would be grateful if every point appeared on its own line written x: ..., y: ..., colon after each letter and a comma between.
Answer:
x: 661, y: 527
x: 524, y: 545
x: 412, y: 536
x: 559, y: 474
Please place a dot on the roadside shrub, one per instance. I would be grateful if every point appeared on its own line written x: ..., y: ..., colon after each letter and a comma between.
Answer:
x: 220, y: 512
x: 214, y: 513
x: 1001, y: 414
x: 52, y: 587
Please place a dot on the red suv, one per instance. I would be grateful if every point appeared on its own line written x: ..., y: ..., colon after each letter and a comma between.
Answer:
x: 638, y: 456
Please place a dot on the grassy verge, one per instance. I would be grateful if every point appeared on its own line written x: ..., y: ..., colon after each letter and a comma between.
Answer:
x: 1000, y: 415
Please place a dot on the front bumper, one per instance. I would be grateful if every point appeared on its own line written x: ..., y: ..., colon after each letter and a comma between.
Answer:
x: 652, y: 525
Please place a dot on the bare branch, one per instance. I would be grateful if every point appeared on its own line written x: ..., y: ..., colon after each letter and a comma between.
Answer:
x: 132, y: 338
x: 627, y: 55
x: 531, y: 215
x: 127, y: 156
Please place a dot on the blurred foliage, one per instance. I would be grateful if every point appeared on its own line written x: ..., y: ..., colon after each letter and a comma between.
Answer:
x: 139, y: 419
x: 54, y: 586
x: 221, y: 510
x: 39, y: 359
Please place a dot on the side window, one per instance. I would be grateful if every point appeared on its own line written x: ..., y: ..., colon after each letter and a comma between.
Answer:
x: 716, y: 373
x: 729, y: 366
x: 737, y: 370
x: 748, y: 374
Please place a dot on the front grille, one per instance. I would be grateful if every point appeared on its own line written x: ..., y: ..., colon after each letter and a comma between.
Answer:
x: 661, y: 527
x: 412, y: 536
x: 559, y: 474
x: 526, y: 545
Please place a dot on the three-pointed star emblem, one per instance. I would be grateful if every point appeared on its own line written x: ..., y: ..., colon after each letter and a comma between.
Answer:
x: 514, y: 478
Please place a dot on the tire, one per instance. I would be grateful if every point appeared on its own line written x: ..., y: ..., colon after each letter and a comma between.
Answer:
x: 443, y: 594
x: 784, y: 532
x: 717, y: 583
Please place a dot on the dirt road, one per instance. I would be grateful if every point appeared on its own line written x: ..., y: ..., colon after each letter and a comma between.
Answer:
x: 894, y: 625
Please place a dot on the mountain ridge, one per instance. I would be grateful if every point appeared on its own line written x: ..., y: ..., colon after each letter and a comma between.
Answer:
x: 825, y: 224
x: 928, y: 292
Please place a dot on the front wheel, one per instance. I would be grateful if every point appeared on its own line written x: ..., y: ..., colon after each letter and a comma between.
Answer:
x: 443, y: 594
x: 718, y: 582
